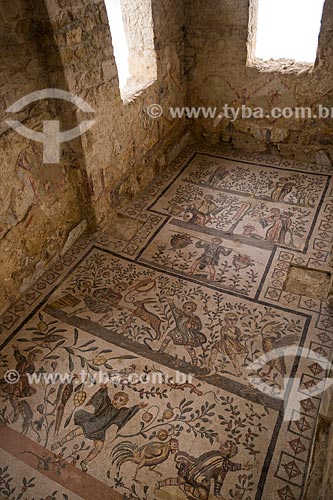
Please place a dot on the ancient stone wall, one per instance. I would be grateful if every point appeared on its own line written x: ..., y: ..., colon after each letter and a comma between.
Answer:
x: 221, y: 70
x: 125, y: 147
x: 39, y: 203
x: 67, y: 44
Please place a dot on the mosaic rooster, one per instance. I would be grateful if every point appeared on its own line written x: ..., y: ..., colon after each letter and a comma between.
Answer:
x: 149, y: 455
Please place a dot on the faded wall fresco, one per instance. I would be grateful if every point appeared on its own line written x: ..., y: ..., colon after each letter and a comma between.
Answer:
x: 219, y: 35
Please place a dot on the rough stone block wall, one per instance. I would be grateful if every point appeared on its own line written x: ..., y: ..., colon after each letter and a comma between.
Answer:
x: 221, y: 70
x: 125, y: 148
x: 67, y: 44
x: 39, y: 204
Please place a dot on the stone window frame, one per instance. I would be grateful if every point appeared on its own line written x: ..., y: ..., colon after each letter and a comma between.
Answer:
x: 289, y: 66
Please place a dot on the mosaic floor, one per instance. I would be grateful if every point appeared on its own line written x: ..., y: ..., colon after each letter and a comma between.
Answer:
x: 174, y: 307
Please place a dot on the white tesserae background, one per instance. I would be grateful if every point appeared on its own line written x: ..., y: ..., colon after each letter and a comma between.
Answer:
x: 289, y: 29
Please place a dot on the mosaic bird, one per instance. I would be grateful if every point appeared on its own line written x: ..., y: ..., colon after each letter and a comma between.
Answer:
x: 64, y: 394
x: 143, y: 286
x: 274, y: 340
x: 149, y: 455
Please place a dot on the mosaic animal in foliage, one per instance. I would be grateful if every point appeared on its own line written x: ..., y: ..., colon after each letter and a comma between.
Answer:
x: 149, y: 455
x: 25, y: 365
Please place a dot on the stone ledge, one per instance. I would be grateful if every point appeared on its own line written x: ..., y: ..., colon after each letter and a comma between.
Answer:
x: 284, y: 66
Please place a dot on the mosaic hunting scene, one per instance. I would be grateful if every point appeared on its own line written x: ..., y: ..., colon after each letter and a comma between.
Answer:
x: 166, y: 330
